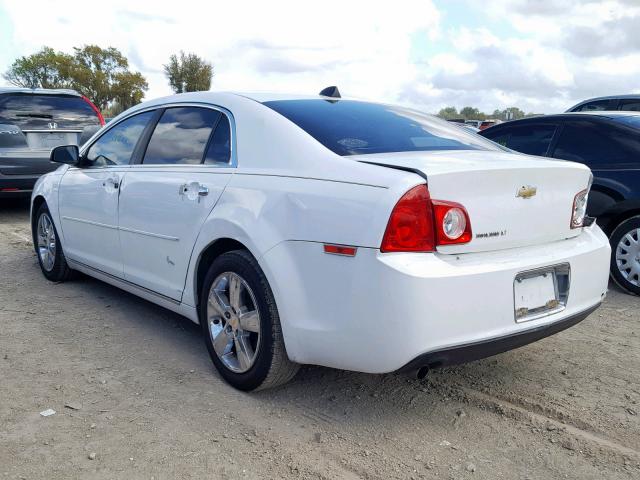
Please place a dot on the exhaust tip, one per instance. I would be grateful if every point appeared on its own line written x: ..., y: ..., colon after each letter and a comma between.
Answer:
x: 422, y: 373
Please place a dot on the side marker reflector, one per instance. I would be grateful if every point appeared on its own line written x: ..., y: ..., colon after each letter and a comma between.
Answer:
x: 340, y: 250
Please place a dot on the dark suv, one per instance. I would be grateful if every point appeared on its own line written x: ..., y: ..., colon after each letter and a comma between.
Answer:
x: 609, y: 144
x: 629, y: 103
x: 32, y: 122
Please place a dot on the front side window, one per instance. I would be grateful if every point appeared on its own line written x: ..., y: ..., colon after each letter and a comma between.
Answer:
x: 349, y: 127
x: 116, y: 146
x: 181, y: 136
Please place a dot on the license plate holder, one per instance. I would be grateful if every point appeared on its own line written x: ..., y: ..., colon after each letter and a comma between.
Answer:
x: 541, y: 292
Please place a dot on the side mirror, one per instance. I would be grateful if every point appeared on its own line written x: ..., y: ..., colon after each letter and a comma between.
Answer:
x: 69, y: 154
x: 87, y: 133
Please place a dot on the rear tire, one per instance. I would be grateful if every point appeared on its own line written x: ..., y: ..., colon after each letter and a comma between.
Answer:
x: 48, y: 247
x: 242, y: 330
x: 625, y: 255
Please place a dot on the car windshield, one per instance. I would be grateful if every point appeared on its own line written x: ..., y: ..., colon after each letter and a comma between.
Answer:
x: 349, y: 127
x: 631, y: 120
x: 37, y: 111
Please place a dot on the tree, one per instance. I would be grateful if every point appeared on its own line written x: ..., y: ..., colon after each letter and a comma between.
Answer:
x: 449, y: 113
x: 45, y: 69
x: 102, y: 75
x: 472, y: 113
x: 188, y: 73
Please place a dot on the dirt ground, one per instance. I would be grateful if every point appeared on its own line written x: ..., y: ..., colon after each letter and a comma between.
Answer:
x: 137, y: 397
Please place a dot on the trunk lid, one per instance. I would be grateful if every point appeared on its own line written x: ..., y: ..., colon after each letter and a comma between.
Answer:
x: 497, y: 189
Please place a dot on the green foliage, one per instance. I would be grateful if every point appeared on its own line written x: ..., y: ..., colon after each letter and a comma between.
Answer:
x: 188, y: 73
x: 472, y: 113
x: 100, y: 74
x: 44, y: 69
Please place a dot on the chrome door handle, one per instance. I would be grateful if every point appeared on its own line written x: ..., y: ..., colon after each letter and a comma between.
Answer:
x: 193, y: 191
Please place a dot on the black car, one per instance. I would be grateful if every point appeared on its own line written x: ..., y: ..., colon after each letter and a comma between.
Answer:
x: 609, y: 144
x: 32, y: 122
x: 629, y: 103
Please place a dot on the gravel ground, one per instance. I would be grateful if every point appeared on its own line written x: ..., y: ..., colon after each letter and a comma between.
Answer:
x: 137, y: 397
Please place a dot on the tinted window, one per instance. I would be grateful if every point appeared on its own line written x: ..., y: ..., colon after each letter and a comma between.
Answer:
x: 593, y: 106
x: 598, y: 144
x: 219, y: 150
x: 531, y: 139
x: 116, y: 146
x: 349, y: 127
x: 630, y: 105
x: 30, y: 111
x: 181, y: 136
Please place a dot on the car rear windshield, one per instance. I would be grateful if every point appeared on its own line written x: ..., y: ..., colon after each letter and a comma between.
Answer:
x: 33, y: 111
x: 350, y: 127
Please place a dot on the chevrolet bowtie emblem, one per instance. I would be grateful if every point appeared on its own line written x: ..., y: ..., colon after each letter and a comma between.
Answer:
x: 526, y: 191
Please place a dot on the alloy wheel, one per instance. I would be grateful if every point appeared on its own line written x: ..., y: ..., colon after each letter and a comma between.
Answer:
x: 233, y: 322
x: 46, y: 242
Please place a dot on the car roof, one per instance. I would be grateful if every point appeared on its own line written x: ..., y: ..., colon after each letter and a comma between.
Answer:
x: 627, y: 96
x: 39, y: 91
x: 558, y: 116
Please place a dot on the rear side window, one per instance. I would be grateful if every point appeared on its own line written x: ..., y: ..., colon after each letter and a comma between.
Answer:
x: 598, y: 144
x: 598, y: 105
x: 630, y: 105
x: 219, y: 150
x: 36, y: 112
x: 116, y: 146
x: 349, y: 127
x: 181, y: 136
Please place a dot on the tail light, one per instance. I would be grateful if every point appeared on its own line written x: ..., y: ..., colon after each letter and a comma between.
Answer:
x: 579, y: 209
x: 419, y: 224
x: 95, y: 109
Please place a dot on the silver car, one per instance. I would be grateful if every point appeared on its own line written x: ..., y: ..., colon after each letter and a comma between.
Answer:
x: 32, y: 122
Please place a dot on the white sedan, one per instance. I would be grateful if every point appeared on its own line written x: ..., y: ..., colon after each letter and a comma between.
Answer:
x: 320, y: 230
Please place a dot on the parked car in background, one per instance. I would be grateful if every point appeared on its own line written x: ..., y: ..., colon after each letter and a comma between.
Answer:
x: 317, y: 230
x: 32, y: 122
x: 609, y: 144
x: 473, y: 123
x: 630, y: 103
x: 488, y: 123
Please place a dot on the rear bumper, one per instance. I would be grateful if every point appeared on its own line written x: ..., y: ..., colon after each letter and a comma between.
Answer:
x: 494, y: 346
x: 17, y: 185
x: 378, y: 312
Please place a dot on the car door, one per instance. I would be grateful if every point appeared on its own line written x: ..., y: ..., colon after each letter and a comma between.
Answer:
x: 89, y: 195
x: 170, y: 193
x: 611, y: 150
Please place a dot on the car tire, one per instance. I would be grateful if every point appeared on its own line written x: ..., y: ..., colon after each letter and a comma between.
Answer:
x: 247, y: 350
x: 48, y: 247
x: 625, y: 255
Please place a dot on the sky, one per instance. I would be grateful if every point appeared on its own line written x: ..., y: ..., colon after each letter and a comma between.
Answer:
x: 540, y: 55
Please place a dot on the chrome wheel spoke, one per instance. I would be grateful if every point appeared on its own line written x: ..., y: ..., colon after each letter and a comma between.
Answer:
x: 234, y: 292
x: 222, y: 343
x: 218, y: 302
x: 250, y: 321
x: 244, y: 352
x: 46, y: 242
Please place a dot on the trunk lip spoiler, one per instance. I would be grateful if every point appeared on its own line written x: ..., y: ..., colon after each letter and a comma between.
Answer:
x: 399, y: 167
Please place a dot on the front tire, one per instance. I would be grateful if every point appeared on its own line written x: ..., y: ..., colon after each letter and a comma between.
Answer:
x: 48, y: 247
x: 625, y: 255
x: 241, y: 325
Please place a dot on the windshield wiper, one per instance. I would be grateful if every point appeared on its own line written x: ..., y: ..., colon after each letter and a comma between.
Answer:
x: 34, y: 115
